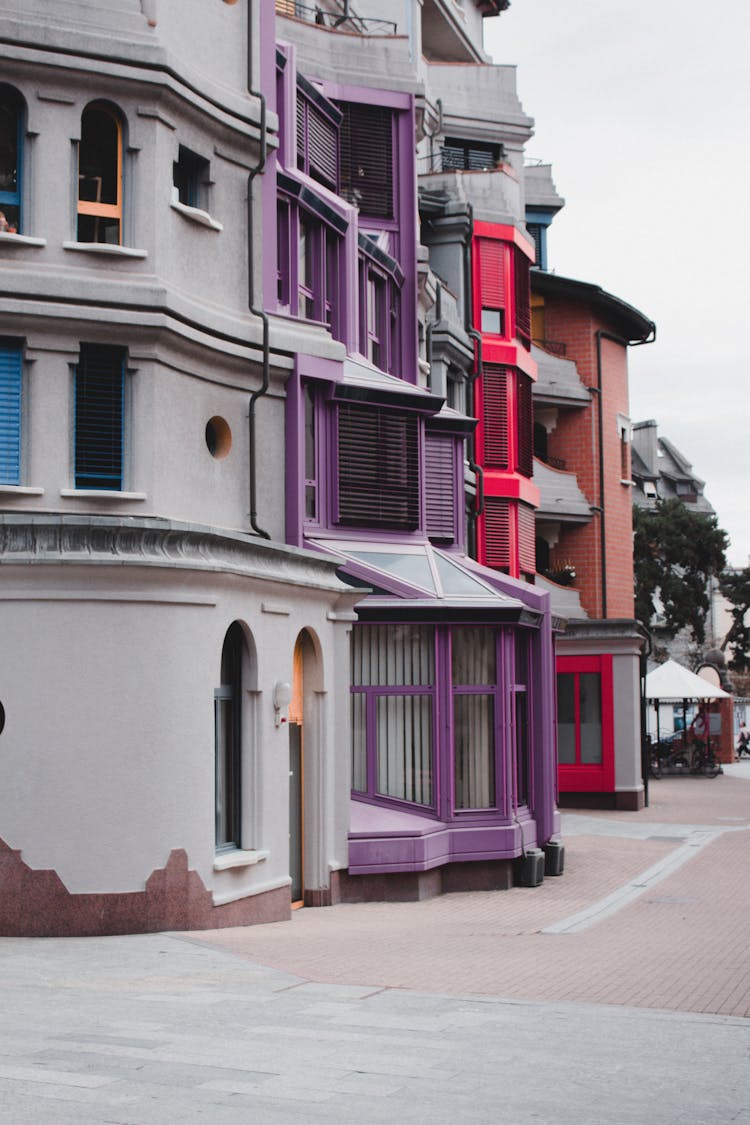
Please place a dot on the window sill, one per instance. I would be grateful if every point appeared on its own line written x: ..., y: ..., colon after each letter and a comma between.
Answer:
x: 101, y: 494
x: 21, y: 239
x: 105, y: 248
x: 196, y: 215
x: 224, y: 861
x: 20, y: 490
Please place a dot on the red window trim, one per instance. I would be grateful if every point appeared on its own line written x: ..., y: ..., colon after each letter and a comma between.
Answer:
x: 593, y: 778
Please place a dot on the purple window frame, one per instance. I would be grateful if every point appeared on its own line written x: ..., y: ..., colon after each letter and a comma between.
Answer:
x: 380, y: 320
x: 318, y: 296
x: 443, y: 691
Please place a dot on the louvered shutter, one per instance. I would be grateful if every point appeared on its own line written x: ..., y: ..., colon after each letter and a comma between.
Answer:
x: 525, y: 425
x: 367, y: 158
x: 526, y: 539
x: 378, y: 468
x: 99, y: 392
x: 497, y: 532
x: 523, y: 297
x: 495, y: 416
x: 301, y: 130
x: 10, y: 415
x: 440, y: 487
x: 492, y: 273
x: 323, y: 147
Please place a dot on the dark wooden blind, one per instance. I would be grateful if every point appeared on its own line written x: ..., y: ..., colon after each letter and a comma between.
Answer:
x: 497, y: 531
x: 367, y: 158
x: 10, y: 414
x: 99, y: 392
x: 522, y: 278
x: 317, y: 142
x: 440, y: 487
x: 495, y: 416
x: 525, y: 459
x: 378, y: 468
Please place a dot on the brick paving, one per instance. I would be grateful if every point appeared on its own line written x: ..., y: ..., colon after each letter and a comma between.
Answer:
x: 681, y: 943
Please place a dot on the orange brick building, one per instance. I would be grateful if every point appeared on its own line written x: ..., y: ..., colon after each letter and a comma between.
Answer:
x: 584, y: 546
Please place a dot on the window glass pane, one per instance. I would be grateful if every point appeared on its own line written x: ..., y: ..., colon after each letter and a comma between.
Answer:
x: 359, y: 741
x: 474, y: 751
x: 393, y: 655
x: 566, y: 718
x: 473, y: 656
x: 283, y: 259
x: 9, y: 119
x: 591, y: 717
x: 99, y: 228
x: 457, y: 582
x: 405, y: 747
x: 411, y: 568
x: 492, y: 321
x: 98, y: 170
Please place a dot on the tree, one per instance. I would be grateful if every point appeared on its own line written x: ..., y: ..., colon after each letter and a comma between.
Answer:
x: 677, y: 551
x: 735, y: 586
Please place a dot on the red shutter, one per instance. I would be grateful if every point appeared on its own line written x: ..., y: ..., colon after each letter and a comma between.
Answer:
x: 378, y: 468
x: 492, y: 273
x: 497, y: 532
x: 495, y: 416
x: 440, y: 487
x: 525, y: 425
x: 526, y: 539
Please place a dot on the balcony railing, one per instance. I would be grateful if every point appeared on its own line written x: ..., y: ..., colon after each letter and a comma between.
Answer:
x: 338, y: 21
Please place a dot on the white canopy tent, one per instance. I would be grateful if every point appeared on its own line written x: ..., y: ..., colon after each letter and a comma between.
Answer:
x: 671, y: 684
x: 670, y: 681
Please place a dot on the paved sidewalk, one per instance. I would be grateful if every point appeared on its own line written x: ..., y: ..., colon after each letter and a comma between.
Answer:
x: 544, y: 1006
x: 653, y: 911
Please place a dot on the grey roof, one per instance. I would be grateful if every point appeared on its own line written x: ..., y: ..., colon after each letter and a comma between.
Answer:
x: 656, y: 461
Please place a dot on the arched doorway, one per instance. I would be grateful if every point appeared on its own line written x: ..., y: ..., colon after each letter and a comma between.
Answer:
x: 302, y: 740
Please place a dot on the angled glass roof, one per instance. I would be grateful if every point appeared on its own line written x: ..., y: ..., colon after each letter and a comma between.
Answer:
x: 414, y: 570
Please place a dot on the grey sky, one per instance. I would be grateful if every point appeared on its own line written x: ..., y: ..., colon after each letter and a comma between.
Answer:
x: 642, y: 108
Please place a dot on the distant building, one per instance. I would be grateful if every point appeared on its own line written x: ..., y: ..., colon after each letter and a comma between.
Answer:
x: 661, y: 472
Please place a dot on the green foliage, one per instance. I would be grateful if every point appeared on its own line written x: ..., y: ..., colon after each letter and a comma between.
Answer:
x: 676, y: 552
x: 735, y: 586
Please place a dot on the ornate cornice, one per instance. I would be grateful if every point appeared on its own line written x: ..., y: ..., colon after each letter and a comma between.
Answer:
x: 121, y: 540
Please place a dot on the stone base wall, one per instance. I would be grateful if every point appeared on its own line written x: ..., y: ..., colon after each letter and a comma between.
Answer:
x: 37, y: 903
x: 414, y: 886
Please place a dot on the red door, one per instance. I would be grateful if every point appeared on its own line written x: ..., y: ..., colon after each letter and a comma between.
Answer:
x: 585, y: 724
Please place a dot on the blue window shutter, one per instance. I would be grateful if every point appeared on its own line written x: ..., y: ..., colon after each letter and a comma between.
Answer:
x: 99, y: 395
x: 10, y: 415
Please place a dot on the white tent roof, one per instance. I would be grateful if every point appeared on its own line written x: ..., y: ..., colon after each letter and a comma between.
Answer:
x: 672, y: 681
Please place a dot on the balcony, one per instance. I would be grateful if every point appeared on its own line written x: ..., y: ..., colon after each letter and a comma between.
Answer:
x: 560, y: 498
x: 336, y: 17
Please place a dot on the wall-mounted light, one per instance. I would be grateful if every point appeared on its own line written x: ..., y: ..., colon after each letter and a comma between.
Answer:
x: 282, y: 697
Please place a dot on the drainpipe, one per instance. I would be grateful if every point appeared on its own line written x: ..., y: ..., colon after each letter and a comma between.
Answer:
x: 259, y: 312
x: 478, y: 367
x: 600, y: 335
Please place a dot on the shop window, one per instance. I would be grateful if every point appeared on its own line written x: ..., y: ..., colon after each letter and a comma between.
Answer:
x: 11, y: 152
x: 393, y: 691
x: 100, y: 176
x: 228, y: 742
x: 190, y: 177
x: 521, y: 732
x: 11, y: 359
x: 474, y: 677
x: 99, y: 417
x: 378, y: 468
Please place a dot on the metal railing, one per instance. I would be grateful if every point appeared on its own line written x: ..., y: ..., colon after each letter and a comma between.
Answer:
x: 338, y: 21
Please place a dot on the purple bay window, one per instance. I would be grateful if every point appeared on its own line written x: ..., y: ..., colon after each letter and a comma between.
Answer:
x: 378, y: 467
x: 430, y: 704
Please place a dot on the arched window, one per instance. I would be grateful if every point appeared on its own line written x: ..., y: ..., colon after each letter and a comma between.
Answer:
x: 228, y: 741
x: 100, y: 176
x: 11, y: 150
